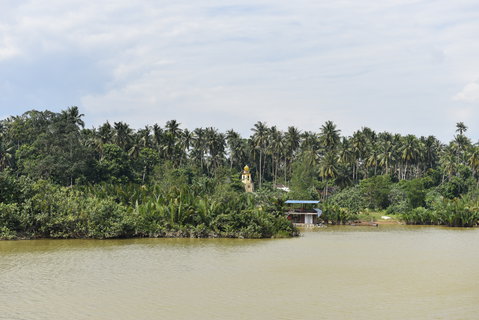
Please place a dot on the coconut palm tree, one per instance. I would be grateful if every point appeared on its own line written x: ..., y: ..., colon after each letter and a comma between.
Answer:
x: 329, y: 136
x: 157, y: 133
x: 275, y: 148
x: 461, y: 143
x: 199, y: 147
x: 432, y: 149
x: 172, y: 136
x: 372, y: 161
x: 233, y: 140
x: 328, y: 168
x: 448, y: 162
x: 260, y: 140
x: 309, y: 141
x: 144, y: 137
x: 386, y: 155
x: 461, y: 128
x: 136, y: 146
x: 345, y: 152
x: 215, y: 142
x: 186, y: 140
x: 91, y: 140
x: 292, y: 141
x: 105, y: 133
x: 409, y: 152
x: 6, y: 148
x: 6, y: 155
x: 73, y: 116
x: 473, y: 160
x: 123, y: 135
x: 359, y: 148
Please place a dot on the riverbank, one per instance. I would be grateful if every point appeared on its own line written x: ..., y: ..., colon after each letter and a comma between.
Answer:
x: 379, y: 218
x: 182, y: 234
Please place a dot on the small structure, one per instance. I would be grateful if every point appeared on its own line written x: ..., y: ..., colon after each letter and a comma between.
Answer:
x: 247, y: 180
x: 302, y: 212
x: 282, y: 187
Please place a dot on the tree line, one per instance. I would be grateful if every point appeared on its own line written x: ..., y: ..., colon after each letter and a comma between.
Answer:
x: 48, y: 145
x: 348, y: 171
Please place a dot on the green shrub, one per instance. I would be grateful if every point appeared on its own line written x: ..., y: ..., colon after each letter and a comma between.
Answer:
x: 9, y: 216
x: 375, y: 191
x: 420, y: 215
x: 462, y: 212
x: 7, y: 234
x: 350, y: 198
x: 335, y: 214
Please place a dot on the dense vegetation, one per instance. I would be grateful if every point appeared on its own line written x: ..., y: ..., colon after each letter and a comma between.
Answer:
x: 58, y: 179
x: 38, y: 209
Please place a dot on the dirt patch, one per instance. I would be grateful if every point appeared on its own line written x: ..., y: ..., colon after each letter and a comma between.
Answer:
x: 387, y: 222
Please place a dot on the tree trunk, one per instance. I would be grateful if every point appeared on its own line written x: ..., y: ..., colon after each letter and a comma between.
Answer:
x: 326, y: 190
x: 272, y: 170
x: 260, y: 169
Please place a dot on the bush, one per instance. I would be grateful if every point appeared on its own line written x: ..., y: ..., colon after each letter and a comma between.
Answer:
x: 398, y: 200
x: 334, y: 214
x: 462, y: 212
x: 416, y: 190
x: 375, y: 191
x: 350, y: 198
x: 420, y: 215
x: 7, y: 234
x: 107, y: 219
x: 126, y: 210
x: 456, y: 186
x: 9, y: 216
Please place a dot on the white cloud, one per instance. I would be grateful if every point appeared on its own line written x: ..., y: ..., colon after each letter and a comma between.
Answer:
x: 470, y: 93
x: 388, y: 65
x: 7, y: 47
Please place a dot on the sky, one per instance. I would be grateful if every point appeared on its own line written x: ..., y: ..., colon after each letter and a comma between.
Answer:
x: 408, y: 66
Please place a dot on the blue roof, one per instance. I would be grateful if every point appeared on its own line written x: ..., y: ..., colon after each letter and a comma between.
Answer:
x: 302, y: 201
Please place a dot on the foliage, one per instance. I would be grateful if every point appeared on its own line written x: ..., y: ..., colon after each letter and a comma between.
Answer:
x: 58, y: 179
x: 304, y: 173
x: 127, y: 210
x: 335, y: 214
x: 350, y: 198
x: 463, y: 212
x: 114, y: 164
x: 375, y: 191
x: 456, y: 186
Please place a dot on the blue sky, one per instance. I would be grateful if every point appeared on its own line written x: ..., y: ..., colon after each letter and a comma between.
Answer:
x: 402, y: 66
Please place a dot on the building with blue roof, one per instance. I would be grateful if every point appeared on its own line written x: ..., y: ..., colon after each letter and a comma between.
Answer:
x: 303, y: 212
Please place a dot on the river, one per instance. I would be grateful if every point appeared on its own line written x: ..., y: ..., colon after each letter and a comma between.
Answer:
x: 390, y: 272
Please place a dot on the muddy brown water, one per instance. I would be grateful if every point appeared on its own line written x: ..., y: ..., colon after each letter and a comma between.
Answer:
x: 389, y: 272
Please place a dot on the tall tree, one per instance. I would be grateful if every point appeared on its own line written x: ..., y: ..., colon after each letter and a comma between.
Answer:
x: 260, y: 140
x: 329, y: 136
x: 275, y: 149
x: 72, y: 115
x: 234, y: 143
x: 172, y: 137
x: 461, y: 128
x: 328, y: 168
x: 123, y: 135
x: 292, y: 141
